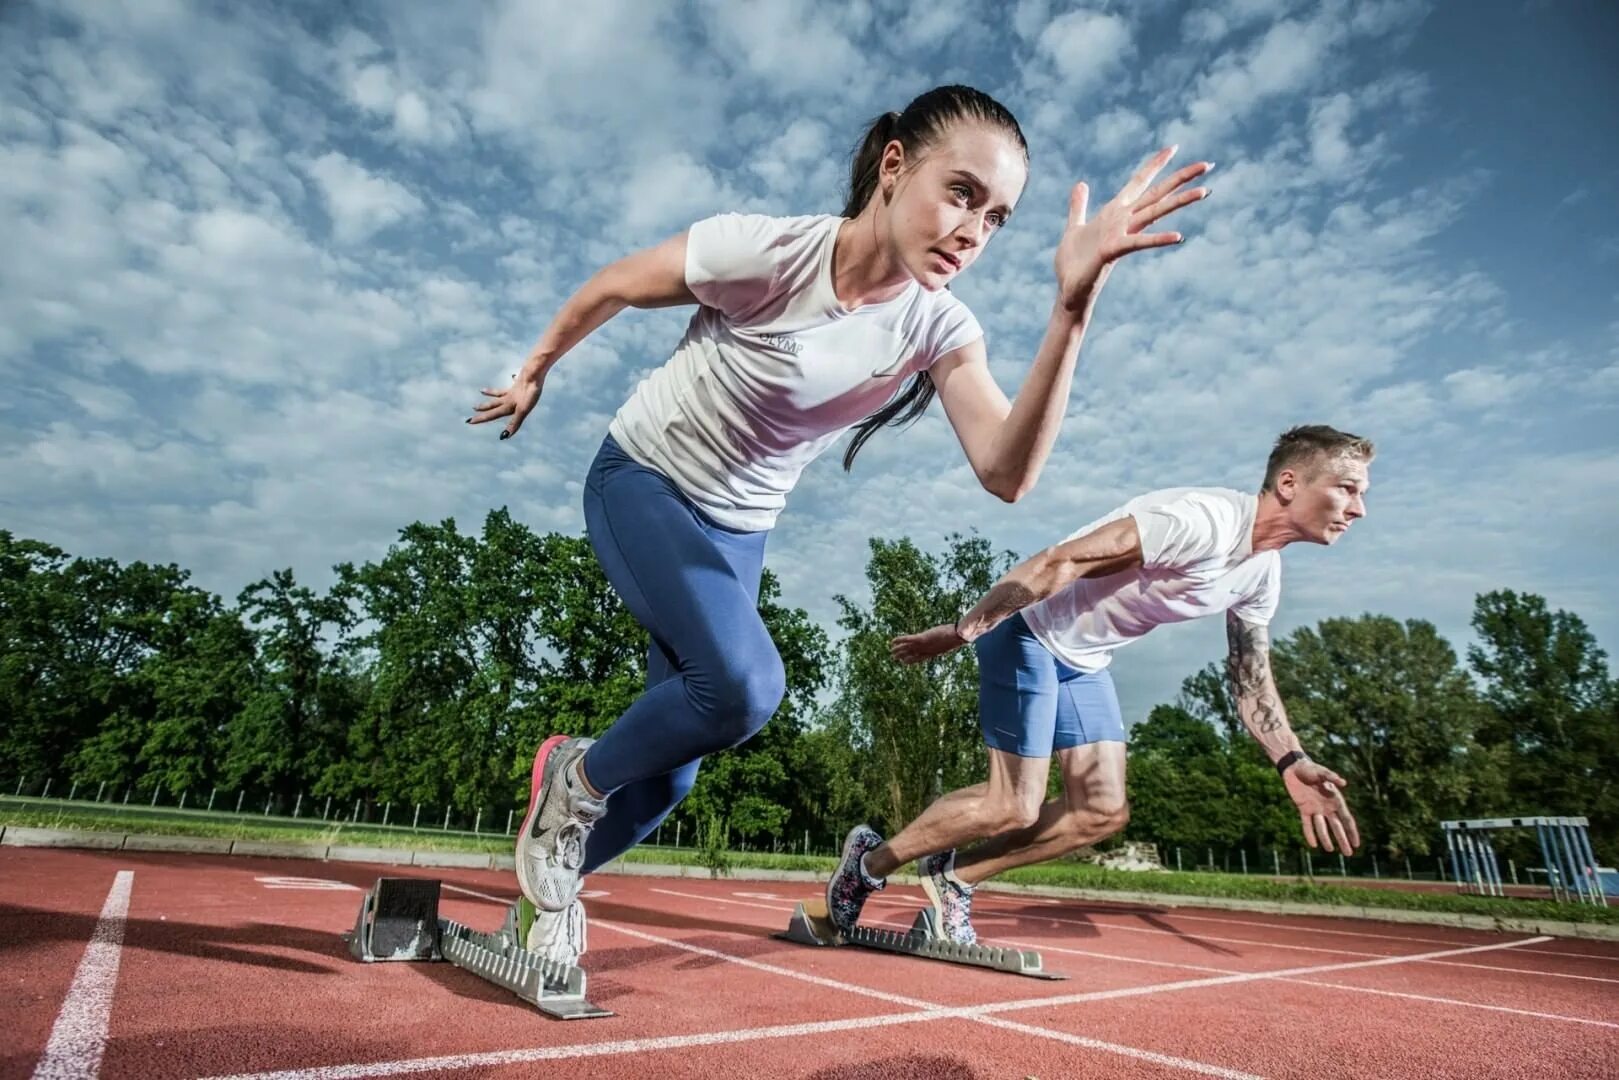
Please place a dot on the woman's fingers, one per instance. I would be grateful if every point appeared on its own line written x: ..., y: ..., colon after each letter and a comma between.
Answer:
x: 1078, y: 200
x: 1152, y: 212
x: 1138, y: 184
x: 1164, y: 187
x: 1322, y: 832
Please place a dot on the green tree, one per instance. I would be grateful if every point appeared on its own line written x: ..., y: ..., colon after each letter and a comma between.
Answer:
x: 914, y: 728
x: 1385, y: 704
x: 1553, y: 713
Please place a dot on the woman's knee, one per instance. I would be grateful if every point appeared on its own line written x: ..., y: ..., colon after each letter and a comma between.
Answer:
x: 744, y: 695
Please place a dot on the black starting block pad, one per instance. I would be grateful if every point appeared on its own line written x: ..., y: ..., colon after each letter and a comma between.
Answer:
x: 399, y: 920
x: 923, y: 940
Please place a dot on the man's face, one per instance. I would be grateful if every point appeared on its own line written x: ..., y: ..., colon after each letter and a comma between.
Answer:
x: 1325, y: 496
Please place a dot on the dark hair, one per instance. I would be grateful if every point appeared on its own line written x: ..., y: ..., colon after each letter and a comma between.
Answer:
x: 922, y: 124
x: 1308, y: 443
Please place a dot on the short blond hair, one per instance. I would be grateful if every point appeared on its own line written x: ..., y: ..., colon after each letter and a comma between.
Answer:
x: 1310, y: 444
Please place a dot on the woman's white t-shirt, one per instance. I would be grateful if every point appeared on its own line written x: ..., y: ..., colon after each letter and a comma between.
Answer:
x: 1197, y: 558
x: 773, y: 368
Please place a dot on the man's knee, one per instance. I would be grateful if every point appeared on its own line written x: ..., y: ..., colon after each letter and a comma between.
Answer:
x: 1014, y: 811
x: 1097, y: 819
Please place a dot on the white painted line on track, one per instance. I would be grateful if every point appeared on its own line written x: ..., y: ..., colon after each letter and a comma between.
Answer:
x: 1243, y: 977
x: 79, y: 1036
x: 1317, y: 982
x: 494, y: 1058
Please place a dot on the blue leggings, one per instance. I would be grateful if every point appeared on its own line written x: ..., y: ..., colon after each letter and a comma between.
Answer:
x: 713, y: 674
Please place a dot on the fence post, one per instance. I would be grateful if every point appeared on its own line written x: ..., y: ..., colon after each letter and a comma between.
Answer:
x: 20, y: 780
x: 386, y: 807
x: 298, y: 805
x: 99, y: 789
x: 240, y: 795
x: 446, y: 826
x: 268, y: 801
x: 126, y: 796
x: 211, y: 793
x: 417, y: 819
x: 477, y: 821
x: 657, y: 837
x: 509, y: 815
x: 1342, y: 871
x: 1512, y: 868
x: 356, y: 818
x: 1244, y: 854
x: 1209, y: 854
x: 47, y: 792
x: 328, y: 808
x: 677, y: 834
x: 154, y: 795
x: 1178, y: 860
x: 72, y: 791
x: 1408, y: 876
x: 1375, y: 874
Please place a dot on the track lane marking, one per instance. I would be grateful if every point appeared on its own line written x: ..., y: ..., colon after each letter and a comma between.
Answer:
x: 79, y: 1036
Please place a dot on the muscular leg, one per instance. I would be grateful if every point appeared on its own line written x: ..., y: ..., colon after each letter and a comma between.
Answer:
x: 1091, y: 808
x: 1008, y: 800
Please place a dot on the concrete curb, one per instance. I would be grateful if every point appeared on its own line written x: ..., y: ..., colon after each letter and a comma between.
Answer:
x: 206, y: 845
x: 17, y: 836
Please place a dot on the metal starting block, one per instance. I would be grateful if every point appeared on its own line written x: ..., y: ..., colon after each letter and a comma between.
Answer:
x: 399, y: 920
x: 810, y: 925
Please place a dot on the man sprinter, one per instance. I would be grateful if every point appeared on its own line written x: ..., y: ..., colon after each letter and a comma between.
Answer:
x: 1044, y: 635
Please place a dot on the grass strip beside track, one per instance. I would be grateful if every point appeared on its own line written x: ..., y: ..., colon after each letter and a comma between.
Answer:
x: 1061, y: 874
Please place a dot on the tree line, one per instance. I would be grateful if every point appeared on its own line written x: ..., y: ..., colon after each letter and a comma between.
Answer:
x: 430, y: 674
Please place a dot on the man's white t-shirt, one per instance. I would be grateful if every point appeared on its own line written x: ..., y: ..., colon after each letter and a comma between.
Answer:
x: 1197, y: 559
x: 773, y: 368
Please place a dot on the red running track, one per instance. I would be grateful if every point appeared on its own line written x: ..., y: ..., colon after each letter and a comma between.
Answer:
x: 237, y: 967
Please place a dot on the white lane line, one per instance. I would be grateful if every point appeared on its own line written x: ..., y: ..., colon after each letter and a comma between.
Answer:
x: 928, y: 1009
x: 1425, y: 958
x: 1321, y: 983
x: 79, y: 1037
x: 1176, y: 913
x: 1243, y: 977
x: 492, y: 1058
x: 1127, y: 1051
x: 1456, y: 1001
x: 937, y: 1011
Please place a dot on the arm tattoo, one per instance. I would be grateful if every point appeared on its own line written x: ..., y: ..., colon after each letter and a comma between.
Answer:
x: 1248, y: 666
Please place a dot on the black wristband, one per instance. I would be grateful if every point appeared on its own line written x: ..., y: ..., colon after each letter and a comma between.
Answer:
x: 1292, y: 757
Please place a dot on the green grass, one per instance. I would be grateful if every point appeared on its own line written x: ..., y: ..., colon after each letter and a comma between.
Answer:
x: 171, y: 822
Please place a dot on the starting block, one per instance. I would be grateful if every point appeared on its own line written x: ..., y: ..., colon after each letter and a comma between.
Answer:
x: 811, y: 925
x: 399, y: 920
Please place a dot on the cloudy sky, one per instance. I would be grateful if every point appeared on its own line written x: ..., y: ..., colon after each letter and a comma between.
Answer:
x: 257, y: 266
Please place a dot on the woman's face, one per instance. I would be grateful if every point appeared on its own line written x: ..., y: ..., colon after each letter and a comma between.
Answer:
x: 943, y: 208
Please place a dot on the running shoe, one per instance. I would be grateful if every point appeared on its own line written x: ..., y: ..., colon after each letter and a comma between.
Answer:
x: 561, y: 813
x: 849, y: 886
x: 952, y: 901
x: 559, y: 936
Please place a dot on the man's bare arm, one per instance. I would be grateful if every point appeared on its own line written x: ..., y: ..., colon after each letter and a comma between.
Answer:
x: 1258, y: 703
x: 1105, y: 550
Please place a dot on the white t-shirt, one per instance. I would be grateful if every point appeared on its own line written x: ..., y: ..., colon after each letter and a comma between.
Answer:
x: 1197, y: 559
x: 772, y: 368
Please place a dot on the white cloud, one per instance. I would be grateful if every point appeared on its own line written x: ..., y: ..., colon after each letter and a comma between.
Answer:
x: 1086, y: 48
x: 360, y: 202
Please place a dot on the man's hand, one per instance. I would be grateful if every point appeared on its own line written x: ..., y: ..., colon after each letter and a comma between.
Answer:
x: 1315, y: 790
x: 915, y: 648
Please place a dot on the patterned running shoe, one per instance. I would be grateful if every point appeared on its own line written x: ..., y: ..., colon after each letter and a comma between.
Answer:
x: 558, y: 936
x: 849, y: 886
x: 551, y: 843
x: 952, y: 900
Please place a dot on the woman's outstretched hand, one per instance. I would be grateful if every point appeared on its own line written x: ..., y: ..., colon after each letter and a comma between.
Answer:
x: 1088, y: 249
x: 516, y: 401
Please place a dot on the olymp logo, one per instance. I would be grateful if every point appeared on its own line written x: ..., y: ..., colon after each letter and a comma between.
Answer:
x: 784, y: 342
